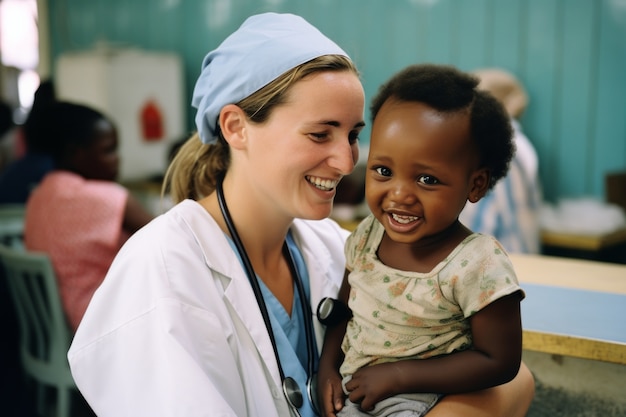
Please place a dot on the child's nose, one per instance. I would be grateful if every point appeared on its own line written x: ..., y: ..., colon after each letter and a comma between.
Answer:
x: 404, y: 192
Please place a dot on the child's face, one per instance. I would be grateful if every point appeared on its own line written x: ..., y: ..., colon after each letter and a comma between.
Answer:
x: 100, y: 160
x: 421, y: 170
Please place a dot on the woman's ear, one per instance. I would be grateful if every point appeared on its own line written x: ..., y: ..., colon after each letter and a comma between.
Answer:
x: 232, y: 123
x: 480, y: 184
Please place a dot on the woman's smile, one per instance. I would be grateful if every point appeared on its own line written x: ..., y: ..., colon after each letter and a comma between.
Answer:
x: 321, y: 183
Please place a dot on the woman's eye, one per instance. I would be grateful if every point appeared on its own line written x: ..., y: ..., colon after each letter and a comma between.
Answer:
x: 384, y: 171
x: 318, y: 136
x: 354, y: 137
x: 427, y: 180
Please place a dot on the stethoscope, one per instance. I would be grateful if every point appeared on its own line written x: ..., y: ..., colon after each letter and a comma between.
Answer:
x: 290, y: 387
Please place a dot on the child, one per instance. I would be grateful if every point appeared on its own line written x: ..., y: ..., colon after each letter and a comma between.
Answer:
x: 424, y: 289
x: 78, y: 214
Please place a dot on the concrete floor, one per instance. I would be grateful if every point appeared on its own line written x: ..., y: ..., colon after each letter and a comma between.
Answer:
x: 575, y: 387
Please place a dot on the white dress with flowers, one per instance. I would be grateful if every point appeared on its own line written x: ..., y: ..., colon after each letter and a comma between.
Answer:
x: 409, y: 315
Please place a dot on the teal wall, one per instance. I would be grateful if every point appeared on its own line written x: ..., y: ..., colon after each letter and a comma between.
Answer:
x: 570, y: 54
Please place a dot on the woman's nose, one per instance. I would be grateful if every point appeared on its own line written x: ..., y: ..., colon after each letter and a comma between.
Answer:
x: 344, y: 157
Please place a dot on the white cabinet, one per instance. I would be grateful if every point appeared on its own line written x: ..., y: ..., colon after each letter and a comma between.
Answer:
x: 141, y: 91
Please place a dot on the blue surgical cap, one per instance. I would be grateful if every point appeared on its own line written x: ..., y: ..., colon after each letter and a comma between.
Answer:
x: 264, y: 47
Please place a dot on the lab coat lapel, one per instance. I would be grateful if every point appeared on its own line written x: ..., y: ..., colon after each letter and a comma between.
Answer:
x: 241, y: 296
x: 226, y: 266
x: 317, y: 258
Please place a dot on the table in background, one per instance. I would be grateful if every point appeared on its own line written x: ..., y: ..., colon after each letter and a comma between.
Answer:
x: 573, y: 307
x: 606, y: 247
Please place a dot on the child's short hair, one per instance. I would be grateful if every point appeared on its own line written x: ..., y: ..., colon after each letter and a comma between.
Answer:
x: 447, y: 89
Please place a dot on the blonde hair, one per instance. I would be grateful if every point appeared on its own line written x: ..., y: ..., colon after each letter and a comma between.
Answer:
x: 505, y: 87
x: 196, y: 168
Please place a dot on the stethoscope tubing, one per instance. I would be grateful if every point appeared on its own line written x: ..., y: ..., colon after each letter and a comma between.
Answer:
x: 306, y: 308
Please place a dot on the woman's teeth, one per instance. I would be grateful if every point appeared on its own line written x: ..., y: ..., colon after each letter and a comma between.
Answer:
x: 403, y: 219
x: 322, y: 184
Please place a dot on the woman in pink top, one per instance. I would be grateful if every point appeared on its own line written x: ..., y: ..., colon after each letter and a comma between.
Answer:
x: 78, y: 214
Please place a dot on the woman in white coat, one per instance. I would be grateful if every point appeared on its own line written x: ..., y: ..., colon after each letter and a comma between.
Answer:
x: 181, y: 325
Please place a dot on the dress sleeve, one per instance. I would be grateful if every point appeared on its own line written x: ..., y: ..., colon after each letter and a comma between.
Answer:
x: 485, y: 275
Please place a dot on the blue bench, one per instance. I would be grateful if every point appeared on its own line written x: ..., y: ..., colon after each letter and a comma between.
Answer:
x: 573, y: 307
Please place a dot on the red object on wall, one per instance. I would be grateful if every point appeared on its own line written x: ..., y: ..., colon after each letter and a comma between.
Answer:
x: 151, y: 121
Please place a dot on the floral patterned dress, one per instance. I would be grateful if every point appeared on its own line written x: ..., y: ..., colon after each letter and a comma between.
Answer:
x: 401, y: 315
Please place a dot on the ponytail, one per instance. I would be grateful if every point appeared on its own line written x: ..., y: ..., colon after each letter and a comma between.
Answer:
x: 194, y: 171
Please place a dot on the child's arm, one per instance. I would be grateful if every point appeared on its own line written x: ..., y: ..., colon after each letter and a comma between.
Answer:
x: 494, y: 360
x: 329, y: 387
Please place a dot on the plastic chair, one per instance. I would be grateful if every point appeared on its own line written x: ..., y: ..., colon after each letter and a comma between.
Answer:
x: 12, y: 225
x: 44, y: 334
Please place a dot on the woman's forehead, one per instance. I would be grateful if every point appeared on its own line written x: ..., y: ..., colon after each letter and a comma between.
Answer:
x: 328, y: 92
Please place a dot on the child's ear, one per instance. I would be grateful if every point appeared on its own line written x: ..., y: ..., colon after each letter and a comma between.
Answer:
x: 480, y: 184
x: 232, y: 123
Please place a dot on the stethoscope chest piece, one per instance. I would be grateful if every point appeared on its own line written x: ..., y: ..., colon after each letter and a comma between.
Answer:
x: 292, y: 392
x: 331, y: 311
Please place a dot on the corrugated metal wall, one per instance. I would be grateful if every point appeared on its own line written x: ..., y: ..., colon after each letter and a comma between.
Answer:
x: 570, y: 54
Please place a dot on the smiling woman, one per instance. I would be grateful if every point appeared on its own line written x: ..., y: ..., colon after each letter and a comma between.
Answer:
x: 279, y: 110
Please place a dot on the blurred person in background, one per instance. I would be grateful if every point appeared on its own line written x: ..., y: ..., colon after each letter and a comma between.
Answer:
x: 78, y: 214
x: 510, y: 211
x: 7, y: 135
x: 23, y: 174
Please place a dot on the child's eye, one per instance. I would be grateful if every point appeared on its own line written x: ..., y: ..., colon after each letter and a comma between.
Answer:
x: 427, y: 180
x: 384, y: 171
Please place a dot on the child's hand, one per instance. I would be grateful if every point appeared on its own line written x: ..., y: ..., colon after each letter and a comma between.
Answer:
x: 330, y: 392
x: 371, y: 384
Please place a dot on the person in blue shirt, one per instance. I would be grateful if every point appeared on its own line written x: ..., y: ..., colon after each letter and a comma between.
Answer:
x: 510, y: 211
x: 23, y: 174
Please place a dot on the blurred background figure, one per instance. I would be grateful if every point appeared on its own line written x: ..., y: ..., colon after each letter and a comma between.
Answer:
x: 78, y: 214
x: 20, y: 176
x: 511, y: 210
x: 7, y: 135
x: 349, y: 206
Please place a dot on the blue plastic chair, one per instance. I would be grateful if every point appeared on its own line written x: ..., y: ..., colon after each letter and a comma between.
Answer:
x: 44, y: 333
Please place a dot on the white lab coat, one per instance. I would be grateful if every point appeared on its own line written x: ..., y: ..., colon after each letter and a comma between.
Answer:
x: 175, y: 330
